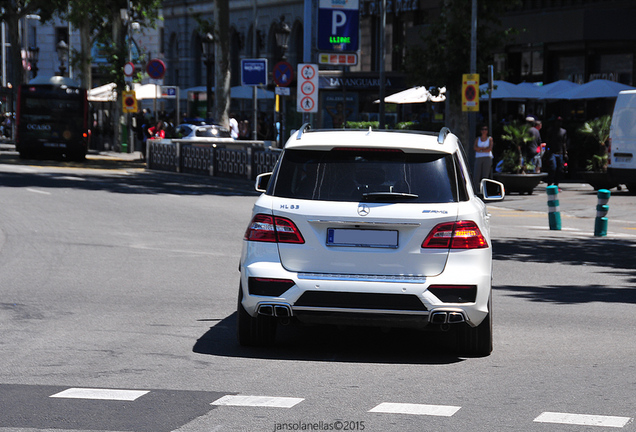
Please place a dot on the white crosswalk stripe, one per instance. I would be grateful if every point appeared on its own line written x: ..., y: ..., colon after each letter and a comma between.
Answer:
x: 258, y: 401
x: 583, y: 419
x: 100, y: 394
x: 416, y: 409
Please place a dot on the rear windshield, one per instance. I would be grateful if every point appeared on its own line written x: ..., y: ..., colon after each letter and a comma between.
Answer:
x: 366, y: 175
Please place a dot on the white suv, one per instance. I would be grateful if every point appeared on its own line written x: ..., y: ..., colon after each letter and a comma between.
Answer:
x: 372, y: 228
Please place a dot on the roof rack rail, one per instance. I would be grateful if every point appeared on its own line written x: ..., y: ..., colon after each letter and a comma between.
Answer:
x: 304, y: 128
x: 442, y: 135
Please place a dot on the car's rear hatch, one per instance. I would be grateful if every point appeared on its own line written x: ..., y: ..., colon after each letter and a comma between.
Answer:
x: 350, y: 238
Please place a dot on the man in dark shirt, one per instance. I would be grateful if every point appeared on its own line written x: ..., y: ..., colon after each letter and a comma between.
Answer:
x: 556, y: 152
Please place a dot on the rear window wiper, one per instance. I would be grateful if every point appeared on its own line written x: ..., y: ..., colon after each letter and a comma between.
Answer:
x: 374, y: 196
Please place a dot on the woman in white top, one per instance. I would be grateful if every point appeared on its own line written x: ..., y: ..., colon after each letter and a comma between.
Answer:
x: 483, y: 157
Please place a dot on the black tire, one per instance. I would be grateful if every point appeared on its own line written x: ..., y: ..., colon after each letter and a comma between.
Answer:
x: 254, y: 331
x: 476, y: 341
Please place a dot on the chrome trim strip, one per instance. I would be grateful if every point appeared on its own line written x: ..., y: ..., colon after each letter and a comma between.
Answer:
x: 365, y: 223
x: 363, y: 278
x: 369, y: 311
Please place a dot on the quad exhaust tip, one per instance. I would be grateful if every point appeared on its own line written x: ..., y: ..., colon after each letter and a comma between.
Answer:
x: 447, y: 317
x: 275, y: 310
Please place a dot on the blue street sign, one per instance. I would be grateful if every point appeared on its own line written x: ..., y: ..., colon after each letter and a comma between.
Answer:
x: 338, y: 25
x: 253, y: 72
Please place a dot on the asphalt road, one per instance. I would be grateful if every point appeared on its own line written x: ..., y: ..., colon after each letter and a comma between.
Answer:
x: 117, y: 313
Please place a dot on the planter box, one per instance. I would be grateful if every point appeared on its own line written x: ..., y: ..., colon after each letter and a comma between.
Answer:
x: 520, y: 183
x: 598, y: 180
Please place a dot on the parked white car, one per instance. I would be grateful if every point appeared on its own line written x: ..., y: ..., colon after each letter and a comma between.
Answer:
x: 201, y: 131
x: 373, y: 228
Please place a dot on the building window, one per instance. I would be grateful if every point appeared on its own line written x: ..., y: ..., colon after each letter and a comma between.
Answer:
x: 615, y: 67
x: 572, y: 68
x: 532, y: 65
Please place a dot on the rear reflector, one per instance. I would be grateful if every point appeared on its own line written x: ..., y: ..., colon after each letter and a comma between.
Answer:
x: 268, y: 286
x: 456, y: 235
x: 454, y: 293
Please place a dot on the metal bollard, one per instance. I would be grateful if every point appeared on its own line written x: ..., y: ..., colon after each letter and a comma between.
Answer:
x: 600, y: 224
x: 554, y: 215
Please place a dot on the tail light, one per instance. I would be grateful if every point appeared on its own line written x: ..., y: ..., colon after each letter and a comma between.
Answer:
x: 456, y: 235
x: 609, y: 151
x: 274, y: 229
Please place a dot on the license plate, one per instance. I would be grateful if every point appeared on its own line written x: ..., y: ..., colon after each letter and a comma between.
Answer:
x: 623, y: 159
x: 362, y: 238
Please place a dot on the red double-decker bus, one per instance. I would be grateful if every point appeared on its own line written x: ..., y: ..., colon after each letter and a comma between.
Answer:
x: 52, y: 119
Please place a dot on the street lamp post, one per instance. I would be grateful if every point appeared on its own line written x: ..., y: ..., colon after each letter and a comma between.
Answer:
x: 62, y: 55
x: 282, y: 36
x: 207, y: 46
x: 282, y: 33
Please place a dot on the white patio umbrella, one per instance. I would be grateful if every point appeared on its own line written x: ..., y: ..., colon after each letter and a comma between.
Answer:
x: 104, y: 93
x: 419, y: 94
x: 147, y: 91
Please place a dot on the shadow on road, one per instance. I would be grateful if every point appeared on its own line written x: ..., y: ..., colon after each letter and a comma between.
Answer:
x: 335, y: 344
x: 617, y: 256
x: 120, y: 177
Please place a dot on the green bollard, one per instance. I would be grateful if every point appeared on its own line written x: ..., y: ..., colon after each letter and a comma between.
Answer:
x: 601, y: 222
x: 554, y: 215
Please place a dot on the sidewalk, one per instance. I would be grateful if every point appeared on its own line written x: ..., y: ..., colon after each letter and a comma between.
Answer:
x: 576, y: 199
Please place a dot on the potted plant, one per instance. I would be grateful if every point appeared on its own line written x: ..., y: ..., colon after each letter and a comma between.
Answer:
x: 596, y: 167
x: 514, y: 174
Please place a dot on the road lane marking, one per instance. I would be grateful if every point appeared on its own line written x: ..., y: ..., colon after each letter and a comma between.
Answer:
x: 38, y: 191
x: 417, y: 409
x: 258, y: 401
x: 583, y: 419
x: 100, y: 394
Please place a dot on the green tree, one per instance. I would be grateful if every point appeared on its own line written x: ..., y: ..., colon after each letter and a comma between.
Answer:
x: 12, y: 12
x: 445, y: 51
x: 102, y: 22
x: 220, y: 29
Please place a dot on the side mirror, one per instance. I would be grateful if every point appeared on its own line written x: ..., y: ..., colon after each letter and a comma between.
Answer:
x: 492, y: 190
x: 262, y: 181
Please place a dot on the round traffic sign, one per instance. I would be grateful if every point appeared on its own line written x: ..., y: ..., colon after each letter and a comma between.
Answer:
x: 308, y: 71
x: 156, y: 69
x: 283, y: 73
x: 129, y: 69
x: 470, y: 93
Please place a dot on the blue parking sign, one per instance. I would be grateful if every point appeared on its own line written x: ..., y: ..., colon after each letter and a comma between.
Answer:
x: 254, y: 72
x: 338, y: 25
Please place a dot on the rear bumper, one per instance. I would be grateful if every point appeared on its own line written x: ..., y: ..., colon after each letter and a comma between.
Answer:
x: 384, y: 301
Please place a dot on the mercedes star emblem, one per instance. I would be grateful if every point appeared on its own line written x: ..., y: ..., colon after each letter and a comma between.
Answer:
x: 363, y: 210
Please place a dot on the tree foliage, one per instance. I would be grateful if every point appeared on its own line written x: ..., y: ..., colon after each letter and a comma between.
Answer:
x: 12, y: 12
x: 444, y: 54
x: 97, y: 20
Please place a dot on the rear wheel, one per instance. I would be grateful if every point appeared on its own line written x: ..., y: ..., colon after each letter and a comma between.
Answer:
x: 254, y: 331
x: 476, y: 341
